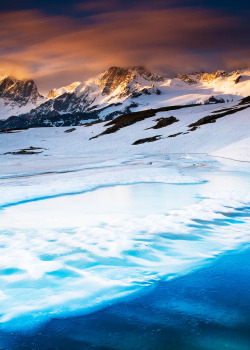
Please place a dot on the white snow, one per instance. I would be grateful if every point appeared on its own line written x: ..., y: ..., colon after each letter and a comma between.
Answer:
x: 173, y: 91
x: 65, y: 254
x: 86, y: 222
x: 9, y: 108
x: 237, y: 150
x: 69, y: 89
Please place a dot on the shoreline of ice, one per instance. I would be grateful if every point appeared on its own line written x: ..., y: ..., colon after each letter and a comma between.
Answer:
x: 98, y: 257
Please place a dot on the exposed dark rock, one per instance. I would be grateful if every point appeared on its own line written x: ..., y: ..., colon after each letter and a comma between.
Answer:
x: 54, y: 118
x: 126, y: 110
x: 28, y: 121
x: 186, y: 78
x: 245, y: 100
x: 212, y: 118
x: 125, y: 80
x: 25, y: 151
x: 34, y: 148
x: 117, y: 76
x: 224, y: 110
x: 205, y: 120
x: 19, y: 91
x: 193, y: 128
x: 174, y: 135
x: 11, y: 131
x: 134, y: 117
x: 70, y: 130
x: 146, y: 91
x: 238, y: 79
x: 147, y: 139
x: 209, y: 77
x: 213, y: 100
x: 63, y: 104
x: 195, y: 78
x: 137, y: 94
x: 163, y: 122
x: 92, y: 123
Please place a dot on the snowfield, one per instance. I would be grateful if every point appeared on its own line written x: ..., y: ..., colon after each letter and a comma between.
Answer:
x: 86, y: 221
x: 78, y: 232
x: 228, y: 133
x: 118, y: 90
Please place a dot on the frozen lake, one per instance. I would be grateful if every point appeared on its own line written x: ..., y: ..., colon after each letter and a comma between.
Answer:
x: 74, y: 243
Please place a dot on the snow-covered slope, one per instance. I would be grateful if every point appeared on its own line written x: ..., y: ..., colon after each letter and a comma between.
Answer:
x: 17, y: 96
x: 184, y: 130
x: 111, y: 87
x: 119, y: 91
x: 54, y: 93
x: 137, y: 88
x: 220, y: 84
x: 101, y: 212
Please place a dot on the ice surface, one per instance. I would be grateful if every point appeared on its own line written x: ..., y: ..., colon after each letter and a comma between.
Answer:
x: 74, y: 241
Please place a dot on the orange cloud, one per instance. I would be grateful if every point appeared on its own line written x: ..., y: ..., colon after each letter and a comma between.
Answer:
x: 57, y: 49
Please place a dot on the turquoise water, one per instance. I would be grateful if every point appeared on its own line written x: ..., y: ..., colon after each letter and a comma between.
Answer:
x: 207, y: 309
x: 132, y: 266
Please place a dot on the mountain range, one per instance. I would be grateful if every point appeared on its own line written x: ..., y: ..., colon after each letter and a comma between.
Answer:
x: 116, y: 92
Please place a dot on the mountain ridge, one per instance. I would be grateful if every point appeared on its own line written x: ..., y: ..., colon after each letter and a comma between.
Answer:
x: 116, y: 91
x: 16, y: 94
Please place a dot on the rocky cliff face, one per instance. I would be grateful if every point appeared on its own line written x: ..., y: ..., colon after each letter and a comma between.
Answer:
x: 125, y: 80
x: 115, y: 85
x: 20, y: 91
x: 68, y: 102
x: 209, y: 77
x: 54, y: 93
x: 17, y: 96
x: 203, y: 77
x: 115, y: 92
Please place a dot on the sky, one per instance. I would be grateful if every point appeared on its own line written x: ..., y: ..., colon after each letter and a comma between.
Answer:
x: 58, y: 42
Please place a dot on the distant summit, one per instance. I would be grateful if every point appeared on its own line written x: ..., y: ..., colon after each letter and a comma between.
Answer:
x: 66, y: 89
x: 18, y: 96
x: 204, y: 77
x: 117, y: 91
x: 116, y: 77
x: 21, y: 91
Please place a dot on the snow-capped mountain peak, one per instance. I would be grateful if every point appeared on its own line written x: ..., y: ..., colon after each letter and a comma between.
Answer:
x: 126, y: 79
x: 202, y: 77
x: 17, y: 96
x: 65, y: 89
x: 117, y: 91
x: 19, y: 90
x: 111, y: 87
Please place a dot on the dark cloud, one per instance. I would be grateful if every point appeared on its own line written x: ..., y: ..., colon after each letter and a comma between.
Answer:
x: 167, y: 37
